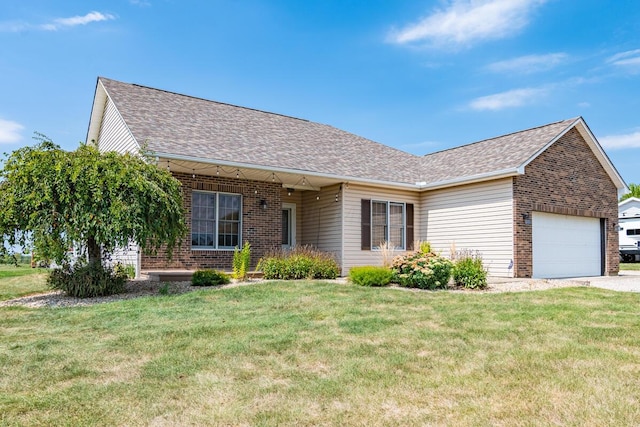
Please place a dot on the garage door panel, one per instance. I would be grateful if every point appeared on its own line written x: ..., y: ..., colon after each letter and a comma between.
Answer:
x: 566, y: 246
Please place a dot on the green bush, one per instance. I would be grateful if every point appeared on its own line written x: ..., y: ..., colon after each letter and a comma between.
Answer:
x: 299, y: 263
x: 128, y: 270
x: 241, y: 260
x: 87, y: 280
x: 469, y: 272
x: 425, y: 247
x: 209, y: 278
x: 422, y: 270
x: 370, y: 276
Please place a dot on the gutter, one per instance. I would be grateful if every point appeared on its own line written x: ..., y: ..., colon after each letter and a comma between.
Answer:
x: 418, y: 186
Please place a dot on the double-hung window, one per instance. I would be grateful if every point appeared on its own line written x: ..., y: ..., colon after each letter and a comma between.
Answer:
x: 388, y: 224
x: 216, y: 220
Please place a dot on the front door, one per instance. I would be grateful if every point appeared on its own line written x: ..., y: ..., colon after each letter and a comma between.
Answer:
x: 288, y: 225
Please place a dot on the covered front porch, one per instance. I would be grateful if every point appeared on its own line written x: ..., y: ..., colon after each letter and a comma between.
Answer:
x: 227, y: 205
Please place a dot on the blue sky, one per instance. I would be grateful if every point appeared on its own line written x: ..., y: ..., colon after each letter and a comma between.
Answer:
x: 419, y: 75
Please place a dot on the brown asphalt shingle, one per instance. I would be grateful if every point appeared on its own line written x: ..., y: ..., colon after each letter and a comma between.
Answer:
x: 183, y: 125
x: 491, y: 155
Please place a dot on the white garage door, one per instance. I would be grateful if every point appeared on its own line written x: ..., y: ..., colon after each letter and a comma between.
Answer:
x: 566, y: 246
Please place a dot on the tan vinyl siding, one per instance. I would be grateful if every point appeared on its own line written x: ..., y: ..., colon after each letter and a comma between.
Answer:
x: 114, y: 134
x: 353, y: 254
x: 322, y: 220
x: 477, y: 217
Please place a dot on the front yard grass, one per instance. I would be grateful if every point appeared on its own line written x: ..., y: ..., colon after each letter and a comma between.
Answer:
x: 316, y: 353
x: 22, y: 280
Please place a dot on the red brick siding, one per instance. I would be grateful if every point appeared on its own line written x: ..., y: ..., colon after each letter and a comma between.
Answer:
x: 260, y: 227
x: 566, y: 179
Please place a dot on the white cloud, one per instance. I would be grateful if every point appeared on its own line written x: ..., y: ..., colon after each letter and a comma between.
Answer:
x: 628, y: 61
x: 625, y: 58
x: 528, y: 64
x: 10, y: 131
x: 465, y: 22
x: 56, y: 24
x: 77, y: 20
x: 619, y: 142
x: 508, y: 99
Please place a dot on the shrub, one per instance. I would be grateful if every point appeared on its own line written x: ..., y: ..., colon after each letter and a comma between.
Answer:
x: 425, y: 247
x: 128, y: 270
x: 301, y: 262
x: 241, y: 260
x: 469, y: 272
x: 422, y: 270
x: 370, y: 276
x: 209, y: 278
x: 87, y: 280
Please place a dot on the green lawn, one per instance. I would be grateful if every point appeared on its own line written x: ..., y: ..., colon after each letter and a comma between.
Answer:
x: 313, y: 353
x: 630, y: 266
x: 20, y: 281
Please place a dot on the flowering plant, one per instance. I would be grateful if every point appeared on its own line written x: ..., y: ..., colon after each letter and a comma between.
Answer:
x: 422, y: 270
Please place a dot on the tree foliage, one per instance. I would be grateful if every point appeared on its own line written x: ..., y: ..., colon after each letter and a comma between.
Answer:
x: 634, y: 191
x: 52, y: 199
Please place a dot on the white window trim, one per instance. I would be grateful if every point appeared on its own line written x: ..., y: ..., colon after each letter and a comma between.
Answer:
x: 215, y: 228
x: 376, y: 247
x: 292, y: 206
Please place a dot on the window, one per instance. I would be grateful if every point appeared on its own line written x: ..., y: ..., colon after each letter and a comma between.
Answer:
x: 633, y: 232
x: 388, y: 224
x: 215, y: 220
x: 386, y: 221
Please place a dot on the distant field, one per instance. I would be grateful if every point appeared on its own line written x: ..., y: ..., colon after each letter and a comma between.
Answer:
x: 20, y: 281
x: 630, y: 266
x: 20, y: 270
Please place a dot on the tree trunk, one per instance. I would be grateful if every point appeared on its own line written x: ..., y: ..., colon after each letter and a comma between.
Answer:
x: 93, y: 249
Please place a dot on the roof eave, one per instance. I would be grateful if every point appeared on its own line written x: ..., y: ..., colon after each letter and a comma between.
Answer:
x: 97, y: 112
x: 474, y: 179
x: 629, y: 200
x: 337, y: 178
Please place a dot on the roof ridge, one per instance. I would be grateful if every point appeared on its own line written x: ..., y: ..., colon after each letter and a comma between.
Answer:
x: 502, y: 136
x: 205, y: 99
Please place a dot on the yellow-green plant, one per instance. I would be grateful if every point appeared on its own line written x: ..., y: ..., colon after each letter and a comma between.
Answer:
x: 241, y: 260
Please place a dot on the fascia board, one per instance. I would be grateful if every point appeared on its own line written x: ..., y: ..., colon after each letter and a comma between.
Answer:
x: 338, y: 178
x: 596, y: 148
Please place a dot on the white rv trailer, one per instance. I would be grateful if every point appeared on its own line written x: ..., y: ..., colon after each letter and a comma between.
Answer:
x: 629, y: 226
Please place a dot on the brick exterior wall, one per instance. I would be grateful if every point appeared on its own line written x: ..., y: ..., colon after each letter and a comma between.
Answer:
x: 260, y: 227
x: 565, y: 179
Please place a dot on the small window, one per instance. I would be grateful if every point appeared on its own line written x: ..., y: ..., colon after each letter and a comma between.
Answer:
x: 215, y: 220
x: 633, y: 232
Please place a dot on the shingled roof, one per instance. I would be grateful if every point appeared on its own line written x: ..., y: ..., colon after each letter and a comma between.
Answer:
x: 175, y: 124
x: 172, y: 123
x: 504, y: 153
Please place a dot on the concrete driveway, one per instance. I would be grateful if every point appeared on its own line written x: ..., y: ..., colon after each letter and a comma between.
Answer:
x: 626, y: 281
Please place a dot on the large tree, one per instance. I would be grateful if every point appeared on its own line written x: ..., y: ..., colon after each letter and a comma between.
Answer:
x: 53, y: 199
x: 634, y: 191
